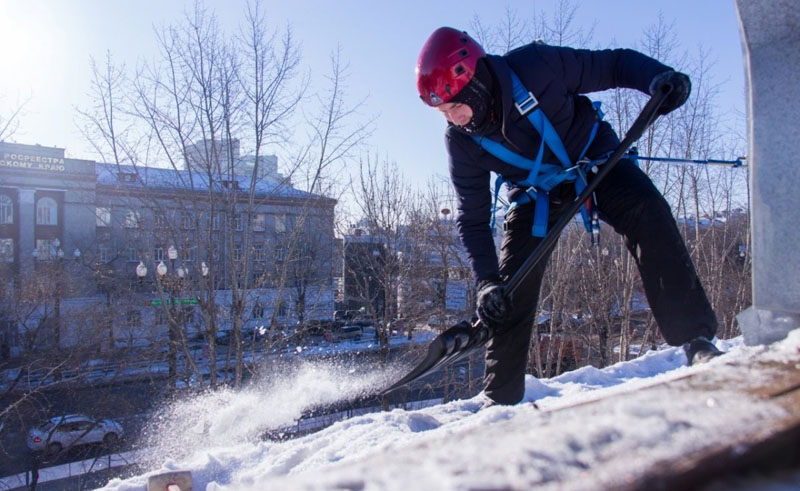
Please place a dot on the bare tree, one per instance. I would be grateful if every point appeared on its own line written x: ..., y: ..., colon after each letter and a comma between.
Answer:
x: 449, y: 286
x: 334, y: 135
x: 561, y: 30
x: 192, y: 109
x: 383, y: 198
x: 9, y: 119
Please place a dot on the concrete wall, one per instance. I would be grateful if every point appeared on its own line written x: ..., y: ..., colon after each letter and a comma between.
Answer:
x: 770, y: 31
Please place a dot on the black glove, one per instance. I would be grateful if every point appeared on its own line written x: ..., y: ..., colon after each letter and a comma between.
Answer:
x: 493, y: 306
x: 681, y: 88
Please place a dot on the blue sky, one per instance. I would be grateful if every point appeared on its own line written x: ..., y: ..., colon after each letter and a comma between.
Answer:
x: 48, y: 44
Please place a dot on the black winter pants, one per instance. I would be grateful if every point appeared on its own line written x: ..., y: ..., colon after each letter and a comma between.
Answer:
x: 629, y: 202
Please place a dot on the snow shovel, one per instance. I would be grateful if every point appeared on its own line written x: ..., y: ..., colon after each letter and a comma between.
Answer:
x: 463, y: 338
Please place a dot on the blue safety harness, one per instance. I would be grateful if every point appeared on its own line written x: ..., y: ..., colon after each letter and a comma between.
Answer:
x: 543, y: 176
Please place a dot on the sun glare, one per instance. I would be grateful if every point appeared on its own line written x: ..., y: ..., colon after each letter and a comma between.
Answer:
x: 27, y: 36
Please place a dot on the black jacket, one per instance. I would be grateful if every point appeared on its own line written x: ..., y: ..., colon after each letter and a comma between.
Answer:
x: 557, y: 76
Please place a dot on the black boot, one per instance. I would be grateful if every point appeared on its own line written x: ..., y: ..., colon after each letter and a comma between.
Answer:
x: 700, y: 350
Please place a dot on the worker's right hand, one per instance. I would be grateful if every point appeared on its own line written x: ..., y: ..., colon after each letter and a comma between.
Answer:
x: 681, y: 88
x: 493, y: 305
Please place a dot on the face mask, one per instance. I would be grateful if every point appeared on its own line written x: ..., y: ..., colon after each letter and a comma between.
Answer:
x: 479, y: 98
x: 481, y: 117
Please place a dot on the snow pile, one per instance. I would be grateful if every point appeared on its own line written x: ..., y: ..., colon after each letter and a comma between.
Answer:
x: 455, y: 446
x: 216, y: 420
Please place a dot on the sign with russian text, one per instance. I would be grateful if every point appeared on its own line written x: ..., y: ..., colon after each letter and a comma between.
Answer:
x: 33, y: 162
x: 184, y: 301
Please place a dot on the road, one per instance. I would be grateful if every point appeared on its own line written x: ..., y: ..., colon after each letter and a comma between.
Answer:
x: 126, y: 403
x: 131, y: 404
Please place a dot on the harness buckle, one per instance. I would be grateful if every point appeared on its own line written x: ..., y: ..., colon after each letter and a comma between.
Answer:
x: 595, y: 224
x: 527, y: 105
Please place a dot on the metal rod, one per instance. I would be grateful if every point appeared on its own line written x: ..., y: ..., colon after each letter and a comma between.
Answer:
x: 730, y: 163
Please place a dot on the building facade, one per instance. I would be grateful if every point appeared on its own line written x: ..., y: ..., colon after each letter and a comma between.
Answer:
x: 91, y: 250
x: 419, y: 272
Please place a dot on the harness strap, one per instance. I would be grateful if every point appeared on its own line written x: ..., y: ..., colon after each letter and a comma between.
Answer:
x: 498, y: 183
x: 527, y: 105
x: 541, y: 213
x: 543, y: 177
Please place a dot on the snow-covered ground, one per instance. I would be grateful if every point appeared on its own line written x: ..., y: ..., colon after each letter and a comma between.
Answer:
x: 454, y: 445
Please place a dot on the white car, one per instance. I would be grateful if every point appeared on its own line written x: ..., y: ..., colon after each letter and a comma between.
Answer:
x: 436, y: 321
x: 72, y: 429
x: 349, y: 332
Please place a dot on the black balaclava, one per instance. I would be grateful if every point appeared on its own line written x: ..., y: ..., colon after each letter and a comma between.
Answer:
x: 477, y: 94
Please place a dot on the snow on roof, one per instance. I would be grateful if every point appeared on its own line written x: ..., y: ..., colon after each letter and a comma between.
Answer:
x: 171, y: 179
x: 455, y: 445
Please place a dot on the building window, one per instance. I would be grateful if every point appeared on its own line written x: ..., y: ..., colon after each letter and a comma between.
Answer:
x: 103, y: 216
x: 131, y: 219
x: 127, y: 177
x: 46, y: 211
x: 187, y: 219
x: 6, y: 210
x: 280, y: 253
x: 158, y: 254
x: 105, y: 253
x: 7, y: 250
x: 258, y: 311
x: 259, y: 222
x: 282, y: 310
x: 216, y: 221
x: 160, y: 220
x: 237, y: 253
x: 45, y: 249
x: 259, y: 252
x: 160, y: 317
x: 238, y: 222
x: 132, y: 255
x: 189, y: 253
x: 280, y: 224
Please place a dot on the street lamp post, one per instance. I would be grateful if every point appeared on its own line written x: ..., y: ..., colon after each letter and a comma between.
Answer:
x: 172, y: 253
x: 170, y: 280
x: 172, y: 284
x: 141, y: 272
x: 59, y: 272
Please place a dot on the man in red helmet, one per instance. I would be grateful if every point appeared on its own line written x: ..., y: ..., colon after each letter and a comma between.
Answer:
x: 473, y: 91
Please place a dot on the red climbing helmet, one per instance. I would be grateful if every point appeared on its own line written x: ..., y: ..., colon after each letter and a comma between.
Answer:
x: 446, y: 64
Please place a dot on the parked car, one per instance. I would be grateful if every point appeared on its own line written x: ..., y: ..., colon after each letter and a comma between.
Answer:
x: 347, y: 315
x: 369, y: 333
x: 223, y: 338
x: 436, y: 321
x: 196, y: 337
x: 72, y: 429
x: 254, y: 334
x: 317, y: 327
x: 350, y: 332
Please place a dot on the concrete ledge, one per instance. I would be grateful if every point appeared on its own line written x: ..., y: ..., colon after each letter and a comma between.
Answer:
x: 762, y: 326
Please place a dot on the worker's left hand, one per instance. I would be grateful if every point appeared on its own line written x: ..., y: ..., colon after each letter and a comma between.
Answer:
x: 681, y: 88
